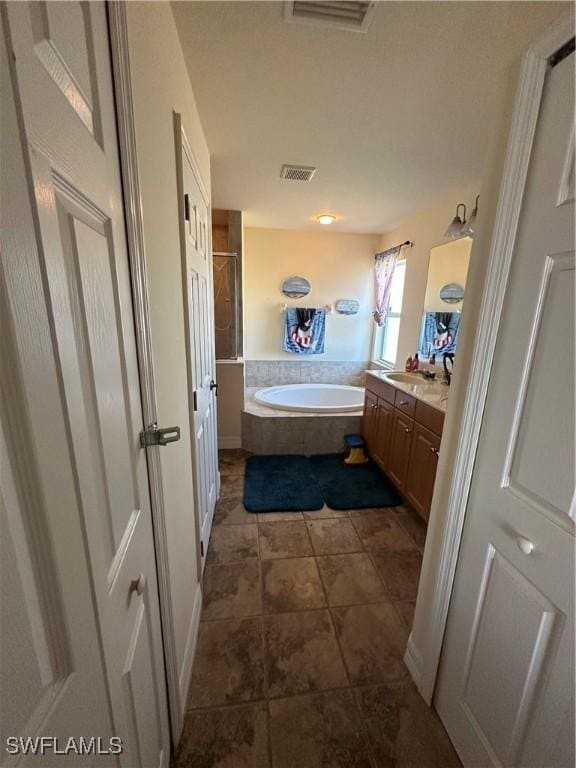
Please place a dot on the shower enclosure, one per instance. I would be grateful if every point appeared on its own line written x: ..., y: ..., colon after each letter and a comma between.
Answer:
x: 226, y: 305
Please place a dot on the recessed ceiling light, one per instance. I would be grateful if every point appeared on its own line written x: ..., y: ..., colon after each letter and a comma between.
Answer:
x: 326, y: 218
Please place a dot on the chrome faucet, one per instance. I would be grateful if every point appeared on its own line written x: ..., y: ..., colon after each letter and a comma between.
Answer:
x: 448, y: 373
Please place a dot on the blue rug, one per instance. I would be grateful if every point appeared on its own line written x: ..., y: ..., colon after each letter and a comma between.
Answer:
x: 300, y: 483
x: 358, y: 486
x: 280, y: 484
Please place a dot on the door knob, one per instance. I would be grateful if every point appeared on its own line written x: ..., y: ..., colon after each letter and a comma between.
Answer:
x: 213, y: 385
x: 525, y: 545
x: 138, y: 585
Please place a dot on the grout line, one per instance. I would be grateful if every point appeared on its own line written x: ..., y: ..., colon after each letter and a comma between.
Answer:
x: 264, y: 650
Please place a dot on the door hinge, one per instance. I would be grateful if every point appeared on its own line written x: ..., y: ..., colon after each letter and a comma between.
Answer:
x: 195, y: 400
x: 201, y: 548
x: 187, y: 207
x: 153, y: 435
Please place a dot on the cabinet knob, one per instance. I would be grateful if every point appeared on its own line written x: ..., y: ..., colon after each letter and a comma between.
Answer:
x: 407, y: 430
x: 404, y: 402
x: 433, y: 450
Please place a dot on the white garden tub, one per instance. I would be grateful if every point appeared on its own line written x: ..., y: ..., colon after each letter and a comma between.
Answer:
x: 312, y: 398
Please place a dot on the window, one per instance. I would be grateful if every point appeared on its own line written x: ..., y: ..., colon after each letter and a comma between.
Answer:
x: 388, y: 341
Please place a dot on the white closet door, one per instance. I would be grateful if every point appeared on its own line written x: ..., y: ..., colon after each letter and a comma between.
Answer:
x: 195, y: 230
x: 506, y: 683
x: 64, y: 82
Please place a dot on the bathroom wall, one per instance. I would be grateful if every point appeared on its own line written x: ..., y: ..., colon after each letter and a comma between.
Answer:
x: 161, y: 85
x: 230, y: 378
x: 338, y: 266
x: 426, y: 230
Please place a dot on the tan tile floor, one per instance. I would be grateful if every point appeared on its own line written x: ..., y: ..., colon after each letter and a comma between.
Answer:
x: 303, y: 630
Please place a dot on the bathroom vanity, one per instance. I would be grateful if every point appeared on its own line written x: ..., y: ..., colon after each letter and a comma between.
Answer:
x: 402, y: 427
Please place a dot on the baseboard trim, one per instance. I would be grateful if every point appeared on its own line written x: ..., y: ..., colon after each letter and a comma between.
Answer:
x: 186, y: 669
x: 414, y: 662
x: 227, y: 443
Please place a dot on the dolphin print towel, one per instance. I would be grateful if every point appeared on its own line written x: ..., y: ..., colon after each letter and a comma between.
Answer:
x: 304, y: 331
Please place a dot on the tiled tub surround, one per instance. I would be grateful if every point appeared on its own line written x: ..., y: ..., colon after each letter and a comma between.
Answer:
x: 269, y: 373
x: 269, y: 431
x: 302, y: 633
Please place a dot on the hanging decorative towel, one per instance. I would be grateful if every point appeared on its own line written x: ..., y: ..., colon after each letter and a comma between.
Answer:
x: 304, y: 331
x: 439, y: 333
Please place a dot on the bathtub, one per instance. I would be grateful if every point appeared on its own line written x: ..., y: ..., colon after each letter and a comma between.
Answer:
x: 312, y: 398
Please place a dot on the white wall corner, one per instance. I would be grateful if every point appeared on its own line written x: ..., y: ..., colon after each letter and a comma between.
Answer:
x: 414, y: 662
x: 189, y: 652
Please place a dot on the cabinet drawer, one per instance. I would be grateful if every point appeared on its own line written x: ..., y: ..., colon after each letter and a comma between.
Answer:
x: 405, y: 403
x: 380, y: 388
x: 429, y: 417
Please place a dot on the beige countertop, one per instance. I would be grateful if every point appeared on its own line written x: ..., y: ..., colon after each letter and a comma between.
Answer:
x: 434, y: 393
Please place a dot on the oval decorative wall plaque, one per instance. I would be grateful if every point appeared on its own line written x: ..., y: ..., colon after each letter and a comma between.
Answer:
x: 452, y: 293
x: 347, y: 306
x: 296, y: 287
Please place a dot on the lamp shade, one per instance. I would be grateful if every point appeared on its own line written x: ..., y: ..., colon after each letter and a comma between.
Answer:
x: 469, y: 227
x: 457, y: 224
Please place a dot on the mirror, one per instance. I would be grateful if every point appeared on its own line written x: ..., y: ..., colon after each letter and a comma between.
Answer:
x: 445, y: 288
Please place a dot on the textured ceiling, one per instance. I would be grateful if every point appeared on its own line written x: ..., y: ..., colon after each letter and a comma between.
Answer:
x: 393, y: 119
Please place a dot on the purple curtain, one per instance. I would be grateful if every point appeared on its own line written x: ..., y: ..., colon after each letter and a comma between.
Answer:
x: 383, y: 271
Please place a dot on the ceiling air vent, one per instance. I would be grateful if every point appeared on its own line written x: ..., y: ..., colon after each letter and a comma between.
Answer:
x: 355, y: 17
x: 297, y: 172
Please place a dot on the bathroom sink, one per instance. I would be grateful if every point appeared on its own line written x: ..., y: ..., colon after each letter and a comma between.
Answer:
x: 404, y: 378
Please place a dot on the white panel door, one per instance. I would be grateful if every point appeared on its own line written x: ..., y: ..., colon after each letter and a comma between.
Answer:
x: 195, y: 228
x: 506, y: 683
x: 63, y: 72
x: 52, y: 676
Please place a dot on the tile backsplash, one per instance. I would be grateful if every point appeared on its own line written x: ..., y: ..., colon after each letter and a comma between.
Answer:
x: 269, y: 373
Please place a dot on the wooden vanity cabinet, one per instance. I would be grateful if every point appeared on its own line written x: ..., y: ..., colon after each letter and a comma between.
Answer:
x: 385, y: 417
x: 370, y: 421
x: 398, y: 455
x: 402, y: 435
x: 422, y: 469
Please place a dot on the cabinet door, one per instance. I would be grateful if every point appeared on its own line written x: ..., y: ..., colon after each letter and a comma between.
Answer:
x: 385, y: 414
x: 369, y: 421
x: 422, y: 469
x: 398, y: 456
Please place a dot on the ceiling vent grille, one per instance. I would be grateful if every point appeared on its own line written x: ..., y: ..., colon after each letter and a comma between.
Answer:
x: 351, y: 16
x: 297, y: 172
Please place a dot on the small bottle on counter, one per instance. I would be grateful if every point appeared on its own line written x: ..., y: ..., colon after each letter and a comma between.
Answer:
x: 409, y: 363
x: 415, y: 363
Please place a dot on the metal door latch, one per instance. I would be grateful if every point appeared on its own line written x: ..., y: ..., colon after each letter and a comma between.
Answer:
x: 153, y: 435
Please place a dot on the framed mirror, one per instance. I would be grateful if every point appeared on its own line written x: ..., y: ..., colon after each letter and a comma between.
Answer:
x: 445, y: 290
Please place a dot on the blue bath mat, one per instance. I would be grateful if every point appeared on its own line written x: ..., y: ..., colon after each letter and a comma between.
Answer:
x: 280, y: 484
x: 357, y: 486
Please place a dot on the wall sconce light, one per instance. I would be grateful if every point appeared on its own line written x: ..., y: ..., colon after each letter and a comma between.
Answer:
x: 457, y: 223
x: 459, y: 227
x: 469, y: 227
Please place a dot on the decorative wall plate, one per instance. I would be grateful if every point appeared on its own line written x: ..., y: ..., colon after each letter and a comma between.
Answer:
x: 452, y: 293
x: 347, y: 307
x: 295, y: 287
